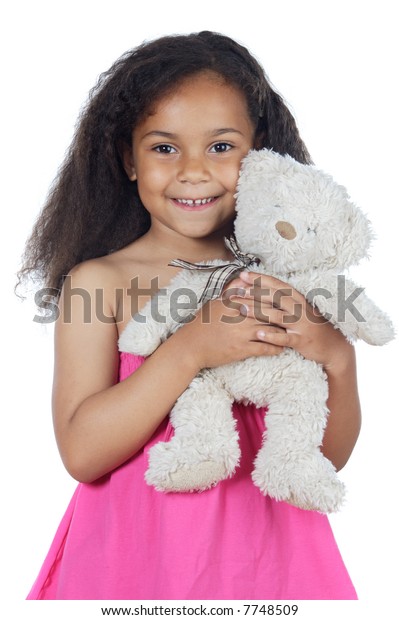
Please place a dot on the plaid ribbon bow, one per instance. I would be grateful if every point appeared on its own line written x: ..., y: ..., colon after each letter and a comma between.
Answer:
x: 220, y: 274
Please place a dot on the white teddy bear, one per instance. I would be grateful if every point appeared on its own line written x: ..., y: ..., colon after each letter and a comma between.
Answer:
x: 302, y: 226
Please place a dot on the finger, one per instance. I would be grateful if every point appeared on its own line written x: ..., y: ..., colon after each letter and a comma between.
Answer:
x: 289, y: 314
x: 258, y: 349
x: 268, y: 288
x: 272, y: 329
x: 279, y: 339
x: 261, y: 280
x: 236, y: 283
x: 236, y: 288
x: 284, y: 298
x: 267, y: 314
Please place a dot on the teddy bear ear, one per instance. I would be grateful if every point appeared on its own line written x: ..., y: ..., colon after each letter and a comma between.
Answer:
x: 357, y: 236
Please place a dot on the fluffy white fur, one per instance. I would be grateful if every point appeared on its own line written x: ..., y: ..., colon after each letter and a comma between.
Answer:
x: 328, y: 233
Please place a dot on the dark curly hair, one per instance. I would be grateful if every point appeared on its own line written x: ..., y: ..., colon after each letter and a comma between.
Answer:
x: 93, y: 208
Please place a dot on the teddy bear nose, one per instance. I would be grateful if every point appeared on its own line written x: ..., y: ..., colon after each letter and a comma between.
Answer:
x: 286, y: 230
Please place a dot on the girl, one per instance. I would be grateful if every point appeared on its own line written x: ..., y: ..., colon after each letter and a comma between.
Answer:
x: 151, y: 176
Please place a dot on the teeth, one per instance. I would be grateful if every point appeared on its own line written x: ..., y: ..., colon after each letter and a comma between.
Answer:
x: 201, y: 201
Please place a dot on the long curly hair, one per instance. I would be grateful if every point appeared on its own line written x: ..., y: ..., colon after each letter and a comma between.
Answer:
x: 92, y: 208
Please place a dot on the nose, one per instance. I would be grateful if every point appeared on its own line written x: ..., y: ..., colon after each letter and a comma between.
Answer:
x: 193, y: 169
x: 286, y: 230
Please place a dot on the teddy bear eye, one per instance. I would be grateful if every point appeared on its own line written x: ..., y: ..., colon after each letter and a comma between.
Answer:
x: 277, y: 206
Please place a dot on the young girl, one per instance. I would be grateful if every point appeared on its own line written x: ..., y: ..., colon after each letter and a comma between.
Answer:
x: 151, y: 176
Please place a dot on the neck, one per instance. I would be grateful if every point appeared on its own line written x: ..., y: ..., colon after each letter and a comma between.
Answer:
x: 170, y: 246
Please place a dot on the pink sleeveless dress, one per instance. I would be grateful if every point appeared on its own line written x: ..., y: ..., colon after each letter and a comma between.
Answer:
x: 122, y: 540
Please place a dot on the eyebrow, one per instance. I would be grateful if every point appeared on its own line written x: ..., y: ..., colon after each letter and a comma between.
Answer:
x: 173, y: 136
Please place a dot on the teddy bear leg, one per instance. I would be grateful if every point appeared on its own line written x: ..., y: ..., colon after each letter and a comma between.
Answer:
x: 290, y: 465
x: 204, y: 449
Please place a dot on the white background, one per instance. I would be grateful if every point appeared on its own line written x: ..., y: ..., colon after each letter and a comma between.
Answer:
x: 336, y: 65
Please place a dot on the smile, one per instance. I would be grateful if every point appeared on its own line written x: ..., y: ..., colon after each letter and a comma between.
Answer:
x: 195, y: 205
x: 189, y: 202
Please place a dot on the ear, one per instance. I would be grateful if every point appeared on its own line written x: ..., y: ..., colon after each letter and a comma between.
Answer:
x: 126, y: 153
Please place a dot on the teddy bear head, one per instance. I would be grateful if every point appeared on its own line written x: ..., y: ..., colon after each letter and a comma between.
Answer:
x: 295, y: 217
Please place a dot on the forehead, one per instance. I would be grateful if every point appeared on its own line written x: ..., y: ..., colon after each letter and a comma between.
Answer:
x: 205, y: 100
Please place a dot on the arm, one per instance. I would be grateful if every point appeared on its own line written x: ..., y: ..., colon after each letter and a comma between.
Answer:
x: 100, y: 423
x: 344, y: 421
x: 316, y: 339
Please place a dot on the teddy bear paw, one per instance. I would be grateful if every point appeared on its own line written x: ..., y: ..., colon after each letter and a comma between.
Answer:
x: 311, y: 488
x: 172, y: 468
x: 321, y: 496
x: 197, y: 478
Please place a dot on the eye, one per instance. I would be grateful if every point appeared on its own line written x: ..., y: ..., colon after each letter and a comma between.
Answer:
x: 164, y: 149
x: 221, y: 147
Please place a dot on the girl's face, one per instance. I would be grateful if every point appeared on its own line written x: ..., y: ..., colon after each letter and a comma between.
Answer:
x: 186, y: 157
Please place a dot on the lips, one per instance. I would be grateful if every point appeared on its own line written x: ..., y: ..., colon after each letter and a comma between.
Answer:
x: 195, y: 204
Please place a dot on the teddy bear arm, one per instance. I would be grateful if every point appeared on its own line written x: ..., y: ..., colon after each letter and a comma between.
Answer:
x: 145, y: 330
x: 163, y: 314
x: 345, y: 304
x: 374, y: 326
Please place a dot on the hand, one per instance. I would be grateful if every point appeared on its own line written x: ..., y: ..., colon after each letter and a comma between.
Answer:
x: 221, y: 334
x: 304, y: 329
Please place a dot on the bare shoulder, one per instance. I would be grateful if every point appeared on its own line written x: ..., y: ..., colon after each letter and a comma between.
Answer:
x: 101, y: 277
x: 94, y: 273
x: 113, y: 286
